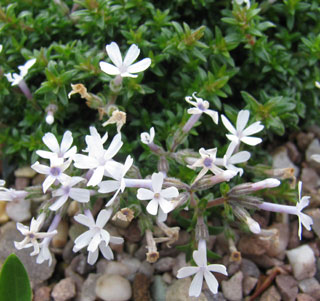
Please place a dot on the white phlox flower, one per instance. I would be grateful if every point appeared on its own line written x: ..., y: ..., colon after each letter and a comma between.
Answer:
x: 54, y: 172
x: 229, y: 160
x: 10, y: 194
x: 240, y: 2
x: 201, y: 106
x: 240, y: 133
x: 124, y: 68
x: 146, y: 137
x: 59, y: 151
x: 304, y: 219
x: 96, y: 237
x: 16, y: 78
x: 68, y: 191
x: 207, y: 162
x: 94, y: 135
x: 202, y: 271
x: 44, y: 253
x: 99, y: 160
x: 118, y: 184
x: 32, y: 234
x: 158, y: 196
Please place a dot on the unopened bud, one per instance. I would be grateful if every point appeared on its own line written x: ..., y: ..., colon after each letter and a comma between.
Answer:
x: 253, y: 225
x: 168, y: 182
x: 201, y: 232
x: 209, y: 181
x: 251, y: 187
x: 163, y: 164
x: 50, y: 109
x: 49, y: 118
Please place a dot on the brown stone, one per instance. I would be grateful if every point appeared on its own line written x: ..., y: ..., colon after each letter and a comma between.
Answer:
x: 42, y: 294
x: 288, y: 287
x: 64, y: 290
x: 141, y: 285
x: 251, y: 245
x: 271, y: 294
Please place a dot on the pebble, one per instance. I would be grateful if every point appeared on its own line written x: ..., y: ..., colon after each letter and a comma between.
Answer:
x: 279, y: 242
x: 302, y: 261
x: 313, y: 149
x: 61, y: 238
x: 179, y: 291
x: 164, y: 264
x: 132, y: 233
x: 315, y: 214
x: 37, y: 273
x: 179, y: 263
x: 281, y: 160
x: 294, y: 240
x: 88, y: 292
x: 252, y: 245
x: 271, y: 294
x: 213, y: 297
x: 293, y: 152
x: 113, y: 288
x: 311, y: 287
x: 21, y: 183
x: 80, y: 265
x: 25, y: 172
x: 266, y: 262
x: 141, y: 285
x: 310, y: 178
x: 64, y: 290
x: 77, y: 279
x: 167, y: 278
x: 19, y: 210
x: 131, y: 263
x: 304, y: 139
x: 158, y: 288
x: 249, y: 268
x: 248, y: 284
x: 232, y: 288
x: 305, y: 297
x: 112, y: 268
x: 288, y: 287
x: 3, y: 214
x: 42, y: 294
x: 146, y: 268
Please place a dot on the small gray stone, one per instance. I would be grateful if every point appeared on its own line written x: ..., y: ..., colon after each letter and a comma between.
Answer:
x: 37, y: 273
x: 305, y: 297
x: 88, y: 292
x: 279, y: 242
x: 158, y: 288
x: 180, y: 262
x: 25, y: 172
x: 42, y: 294
x: 249, y: 268
x: 112, y: 268
x: 113, y: 288
x: 252, y: 245
x: 248, y: 284
x: 271, y: 294
x: 146, y: 268
x: 302, y: 261
x: 232, y: 288
x: 311, y: 287
x: 164, y: 264
x: 64, y: 290
x: 315, y: 214
x: 288, y: 287
x: 281, y: 160
x: 313, y: 149
x: 304, y: 140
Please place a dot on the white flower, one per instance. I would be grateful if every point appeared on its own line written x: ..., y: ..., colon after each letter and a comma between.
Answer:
x: 316, y: 158
x: 67, y: 191
x: 99, y: 160
x: 158, y: 196
x: 54, y: 172
x: 118, y: 184
x: 96, y: 237
x: 240, y: 2
x: 202, y: 270
x: 94, y: 135
x: 44, y: 253
x: 229, y: 160
x: 147, y: 138
x: 304, y: 219
x: 201, y: 106
x: 317, y: 84
x: 58, y: 151
x: 241, y: 134
x: 124, y: 68
x: 15, y: 78
x: 32, y: 234
x: 11, y: 194
x: 207, y: 160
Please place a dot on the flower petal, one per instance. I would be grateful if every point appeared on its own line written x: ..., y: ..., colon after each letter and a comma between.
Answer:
x: 108, y: 68
x: 196, y: 285
x: 47, y: 183
x: 66, y: 141
x: 157, y: 181
x: 165, y: 205
x: 94, y: 243
x: 139, y: 66
x: 145, y: 194
x: 228, y: 125
x: 92, y: 257
x: 84, y: 239
x: 51, y: 142
x: 131, y: 55
x: 242, y: 120
x: 251, y: 140
x: 253, y: 129
x: 108, y: 186
x: 96, y: 176
x: 152, y: 207
x: 106, y: 251
x: 85, y: 220
x: 213, y: 114
x: 80, y: 195
x: 103, y: 217
x: 218, y: 268
x: 114, y: 54
x: 187, y: 271
x: 211, y: 282
x: 240, y: 157
x: 59, y: 203
x: 170, y: 192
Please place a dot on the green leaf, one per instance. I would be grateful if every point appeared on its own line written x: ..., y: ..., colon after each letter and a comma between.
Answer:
x: 14, y: 280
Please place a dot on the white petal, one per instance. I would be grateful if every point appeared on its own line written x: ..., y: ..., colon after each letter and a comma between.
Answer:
x: 253, y: 129
x: 242, y: 120
x: 51, y: 142
x: 211, y: 282
x: 316, y: 158
x: 170, y: 192
x: 23, y: 229
x: 152, y: 207
x: 306, y: 220
x: 187, y: 271
x: 251, y: 140
x: 157, y: 181
x: 47, y: 183
x: 96, y: 176
x: 39, y: 168
x: 131, y: 55
x: 165, y: 205
x: 200, y: 257
x: 58, y: 203
x: 195, y: 111
x: 80, y: 195
x: 94, y: 243
x: 240, y: 157
x: 228, y: 125
x: 196, y: 285
x: 92, y: 257
x: 71, y: 152
x: 300, y: 189
x: 116, y: 240
x: 218, y: 268
x: 103, y: 217
x: 162, y: 217
x: 139, y: 66
x: 214, y: 115
x: 66, y: 141
x: 145, y: 194
x: 106, y: 251
x: 85, y: 220
x: 45, y: 154
x: 114, y: 147
x: 114, y: 54
x: 105, y: 236
x: 108, y: 68
x: 84, y: 162
x: 84, y: 239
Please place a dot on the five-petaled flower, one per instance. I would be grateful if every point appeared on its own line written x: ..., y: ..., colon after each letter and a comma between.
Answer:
x: 207, y: 162
x: 147, y: 138
x: 202, y: 271
x: 96, y: 237
x: 158, y: 196
x: 201, y: 106
x: 124, y: 68
x: 16, y: 78
x: 32, y: 234
x: 242, y: 134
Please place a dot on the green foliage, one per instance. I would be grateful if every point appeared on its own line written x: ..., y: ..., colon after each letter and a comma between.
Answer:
x: 14, y: 281
x: 217, y: 48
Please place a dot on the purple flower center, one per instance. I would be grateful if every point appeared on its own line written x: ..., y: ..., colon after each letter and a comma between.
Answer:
x: 207, y: 162
x: 201, y: 107
x: 55, y: 171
